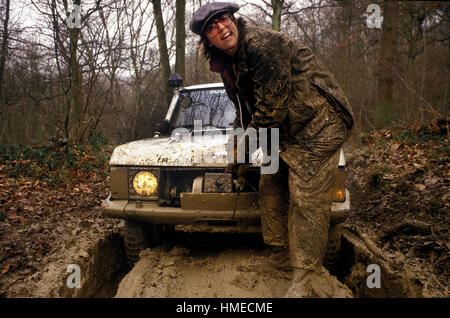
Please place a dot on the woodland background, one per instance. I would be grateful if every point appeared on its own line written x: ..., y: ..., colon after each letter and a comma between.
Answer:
x: 69, y: 95
x: 108, y: 79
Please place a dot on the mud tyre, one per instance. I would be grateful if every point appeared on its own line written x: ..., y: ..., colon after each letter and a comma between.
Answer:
x: 136, y: 239
x: 333, y: 246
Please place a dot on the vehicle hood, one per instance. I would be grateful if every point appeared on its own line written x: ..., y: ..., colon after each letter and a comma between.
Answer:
x: 185, y: 150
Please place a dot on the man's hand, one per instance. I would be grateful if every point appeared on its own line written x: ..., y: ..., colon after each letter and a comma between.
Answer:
x: 238, y: 169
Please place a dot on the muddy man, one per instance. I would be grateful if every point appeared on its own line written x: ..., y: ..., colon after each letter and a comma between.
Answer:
x: 275, y: 82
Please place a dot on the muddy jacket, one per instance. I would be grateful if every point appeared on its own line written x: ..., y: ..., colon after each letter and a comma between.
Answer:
x: 277, y: 82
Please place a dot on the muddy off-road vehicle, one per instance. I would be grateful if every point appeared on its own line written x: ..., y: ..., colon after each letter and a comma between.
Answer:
x: 160, y: 184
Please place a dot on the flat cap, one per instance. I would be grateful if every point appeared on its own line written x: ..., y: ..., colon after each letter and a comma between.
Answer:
x: 202, y: 16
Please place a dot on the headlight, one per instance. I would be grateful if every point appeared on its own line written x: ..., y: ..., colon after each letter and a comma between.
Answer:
x: 145, y: 183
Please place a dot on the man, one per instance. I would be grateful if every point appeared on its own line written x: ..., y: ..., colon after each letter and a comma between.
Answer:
x: 275, y: 82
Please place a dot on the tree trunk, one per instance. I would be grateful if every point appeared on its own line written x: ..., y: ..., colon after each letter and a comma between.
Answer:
x: 76, y: 90
x: 383, y: 111
x: 4, y: 48
x: 163, y: 53
x: 277, y: 6
x: 180, y: 38
x: 75, y: 115
x: 347, y: 16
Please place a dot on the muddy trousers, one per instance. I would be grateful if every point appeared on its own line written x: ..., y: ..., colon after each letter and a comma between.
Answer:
x: 296, y: 213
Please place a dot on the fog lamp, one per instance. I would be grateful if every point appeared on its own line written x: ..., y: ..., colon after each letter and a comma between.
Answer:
x: 145, y: 183
x: 339, y: 195
x: 339, y: 185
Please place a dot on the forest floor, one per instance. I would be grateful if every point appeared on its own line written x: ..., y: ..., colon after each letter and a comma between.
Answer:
x: 50, y: 218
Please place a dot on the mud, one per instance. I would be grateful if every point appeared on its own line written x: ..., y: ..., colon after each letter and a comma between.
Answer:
x: 206, y: 265
x: 218, y: 265
x: 100, y: 257
x: 227, y: 268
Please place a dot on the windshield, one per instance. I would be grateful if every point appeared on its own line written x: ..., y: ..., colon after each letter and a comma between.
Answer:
x: 211, y: 106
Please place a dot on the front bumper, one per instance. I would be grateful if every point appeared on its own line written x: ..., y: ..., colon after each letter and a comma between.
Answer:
x: 213, y: 209
x: 152, y: 212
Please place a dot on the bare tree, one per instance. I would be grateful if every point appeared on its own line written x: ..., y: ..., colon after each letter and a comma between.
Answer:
x: 140, y: 26
x: 163, y: 52
x: 4, y: 51
x: 383, y: 114
x: 277, y: 7
x: 180, y: 37
x: 109, y: 74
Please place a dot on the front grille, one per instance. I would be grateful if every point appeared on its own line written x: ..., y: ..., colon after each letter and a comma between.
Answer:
x: 173, y: 182
x: 178, y: 181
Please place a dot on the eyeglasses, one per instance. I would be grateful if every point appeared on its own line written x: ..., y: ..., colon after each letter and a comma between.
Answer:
x: 213, y: 27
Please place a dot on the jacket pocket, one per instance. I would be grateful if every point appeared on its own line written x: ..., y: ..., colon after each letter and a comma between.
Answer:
x: 317, y: 143
x: 340, y: 109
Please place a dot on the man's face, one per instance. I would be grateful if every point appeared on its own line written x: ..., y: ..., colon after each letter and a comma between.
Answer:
x: 222, y: 33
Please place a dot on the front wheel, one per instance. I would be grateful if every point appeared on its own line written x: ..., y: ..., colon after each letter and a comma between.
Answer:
x: 333, y: 245
x: 136, y: 239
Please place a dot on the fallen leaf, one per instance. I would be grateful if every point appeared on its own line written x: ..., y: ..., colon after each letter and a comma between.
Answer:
x: 418, y: 166
x: 12, y: 216
x: 395, y: 147
x: 28, y: 208
x: 431, y: 181
x: 26, y: 202
x: 6, y: 269
x: 419, y: 187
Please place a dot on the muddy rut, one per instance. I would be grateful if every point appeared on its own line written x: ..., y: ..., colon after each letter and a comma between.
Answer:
x: 208, y: 265
x: 204, y: 265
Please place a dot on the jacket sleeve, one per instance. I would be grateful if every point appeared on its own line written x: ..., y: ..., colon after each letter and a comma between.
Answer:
x: 268, y: 61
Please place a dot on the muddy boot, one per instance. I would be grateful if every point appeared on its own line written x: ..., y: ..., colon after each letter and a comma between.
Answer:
x: 280, y: 259
x: 313, y: 284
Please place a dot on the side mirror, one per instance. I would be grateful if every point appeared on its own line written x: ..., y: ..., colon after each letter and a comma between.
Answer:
x: 175, y: 80
x: 161, y: 128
